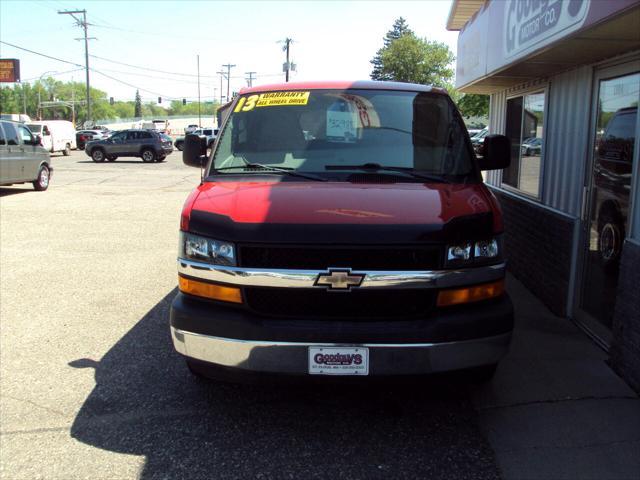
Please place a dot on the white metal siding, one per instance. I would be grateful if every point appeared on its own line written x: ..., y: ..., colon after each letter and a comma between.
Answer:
x: 567, y: 140
x: 566, y: 136
x: 497, y: 109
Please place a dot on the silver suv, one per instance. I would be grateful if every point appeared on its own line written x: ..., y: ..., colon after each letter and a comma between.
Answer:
x: 149, y: 145
x: 22, y: 158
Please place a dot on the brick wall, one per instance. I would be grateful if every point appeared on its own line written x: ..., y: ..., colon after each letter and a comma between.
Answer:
x: 538, y: 245
x: 625, y: 347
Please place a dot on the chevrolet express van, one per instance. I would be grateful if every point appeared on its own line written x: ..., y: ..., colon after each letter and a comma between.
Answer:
x: 22, y: 158
x: 342, y: 228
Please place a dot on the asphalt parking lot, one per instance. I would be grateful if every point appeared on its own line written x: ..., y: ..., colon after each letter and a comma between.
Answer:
x: 91, y: 386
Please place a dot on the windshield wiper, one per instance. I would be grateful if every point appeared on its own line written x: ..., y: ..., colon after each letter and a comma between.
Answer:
x: 287, y: 170
x: 376, y: 167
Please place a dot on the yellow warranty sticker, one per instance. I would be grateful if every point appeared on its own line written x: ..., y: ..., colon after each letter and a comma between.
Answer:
x: 273, y: 99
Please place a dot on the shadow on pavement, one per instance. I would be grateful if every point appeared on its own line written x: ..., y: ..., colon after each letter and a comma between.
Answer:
x: 6, y: 191
x: 146, y: 402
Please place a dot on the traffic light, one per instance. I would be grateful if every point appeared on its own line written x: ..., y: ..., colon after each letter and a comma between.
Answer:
x: 111, y: 100
x: 159, y: 99
x: 184, y: 101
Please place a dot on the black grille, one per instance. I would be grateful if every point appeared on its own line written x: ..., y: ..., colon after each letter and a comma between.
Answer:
x: 359, y: 258
x: 356, y: 304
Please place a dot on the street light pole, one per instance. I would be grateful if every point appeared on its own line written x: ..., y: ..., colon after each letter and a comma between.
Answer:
x: 199, y: 115
x: 39, y: 90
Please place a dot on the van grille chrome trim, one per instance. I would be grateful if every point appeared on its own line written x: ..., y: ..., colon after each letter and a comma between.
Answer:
x: 285, y: 278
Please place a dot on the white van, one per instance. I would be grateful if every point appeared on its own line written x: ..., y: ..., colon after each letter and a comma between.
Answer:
x: 56, y: 135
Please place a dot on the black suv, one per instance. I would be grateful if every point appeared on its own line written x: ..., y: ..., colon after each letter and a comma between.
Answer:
x: 149, y: 145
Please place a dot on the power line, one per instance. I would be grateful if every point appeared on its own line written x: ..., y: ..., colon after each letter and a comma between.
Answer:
x: 42, y: 54
x: 53, y: 74
x: 168, y: 97
x: 151, y: 69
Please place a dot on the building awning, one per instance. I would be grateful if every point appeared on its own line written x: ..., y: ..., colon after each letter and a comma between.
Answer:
x: 503, y: 45
x: 461, y: 11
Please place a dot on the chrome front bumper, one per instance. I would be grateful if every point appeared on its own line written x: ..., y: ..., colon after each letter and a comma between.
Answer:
x: 384, y: 359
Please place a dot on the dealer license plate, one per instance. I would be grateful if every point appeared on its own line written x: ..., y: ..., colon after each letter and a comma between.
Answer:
x: 338, y: 361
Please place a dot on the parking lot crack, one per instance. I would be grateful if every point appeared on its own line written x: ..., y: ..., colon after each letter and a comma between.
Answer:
x: 30, y: 402
x: 556, y: 400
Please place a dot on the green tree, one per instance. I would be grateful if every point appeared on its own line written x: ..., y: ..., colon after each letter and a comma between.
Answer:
x: 124, y: 109
x: 137, y: 111
x: 471, y: 105
x: 206, y: 108
x: 399, y: 29
x: 417, y: 60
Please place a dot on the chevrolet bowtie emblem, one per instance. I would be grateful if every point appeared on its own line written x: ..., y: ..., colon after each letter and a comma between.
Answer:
x: 336, y: 279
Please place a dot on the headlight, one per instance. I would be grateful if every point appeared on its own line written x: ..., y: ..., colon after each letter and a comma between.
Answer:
x: 202, y: 249
x: 459, y: 253
x: 486, y: 249
x: 478, y: 252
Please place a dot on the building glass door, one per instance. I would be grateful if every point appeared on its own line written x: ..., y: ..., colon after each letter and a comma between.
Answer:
x: 607, y: 221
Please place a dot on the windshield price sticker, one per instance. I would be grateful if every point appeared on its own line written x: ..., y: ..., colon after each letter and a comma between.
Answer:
x: 274, y: 99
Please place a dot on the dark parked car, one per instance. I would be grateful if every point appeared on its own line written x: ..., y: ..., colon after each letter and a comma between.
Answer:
x: 84, y: 136
x: 149, y: 145
x: 477, y: 141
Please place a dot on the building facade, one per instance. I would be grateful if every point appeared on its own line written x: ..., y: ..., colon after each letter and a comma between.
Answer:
x: 564, y: 82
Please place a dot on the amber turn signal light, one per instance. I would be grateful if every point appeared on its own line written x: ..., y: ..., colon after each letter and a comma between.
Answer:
x: 475, y: 293
x: 209, y: 290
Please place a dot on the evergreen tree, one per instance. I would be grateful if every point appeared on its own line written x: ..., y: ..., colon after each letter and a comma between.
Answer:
x: 137, y: 111
x: 400, y: 28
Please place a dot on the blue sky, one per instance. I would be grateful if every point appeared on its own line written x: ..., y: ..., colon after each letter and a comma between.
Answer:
x: 332, y: 40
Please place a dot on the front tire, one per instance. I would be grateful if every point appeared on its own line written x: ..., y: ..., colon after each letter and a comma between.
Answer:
x: 180, y: 145
x: 112, y: 158
x: 41, y: 183
x: 67, y: 150
x: 148, y: 155
x: 98, y: 155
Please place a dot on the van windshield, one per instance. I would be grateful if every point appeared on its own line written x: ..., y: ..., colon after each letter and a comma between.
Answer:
x: 338, y: 132
x: 35, y: 128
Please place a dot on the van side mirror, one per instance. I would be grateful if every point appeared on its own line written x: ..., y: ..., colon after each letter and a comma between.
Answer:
x: 37, y: 140
x: 194, y: 153
x: 496, y: 153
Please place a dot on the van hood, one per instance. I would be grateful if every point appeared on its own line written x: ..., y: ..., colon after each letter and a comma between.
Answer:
x: 339, y: 211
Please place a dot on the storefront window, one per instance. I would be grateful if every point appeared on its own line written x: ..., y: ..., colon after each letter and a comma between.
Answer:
x: 525, y: 129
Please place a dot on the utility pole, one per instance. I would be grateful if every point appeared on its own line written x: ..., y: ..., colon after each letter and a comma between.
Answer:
x: 250, y: 79
x: 221, y: 77
x: 73, y: 103
x: 199, y: 116
x: 287, y: 66
x: 83, y: 23
x: 229, y: 67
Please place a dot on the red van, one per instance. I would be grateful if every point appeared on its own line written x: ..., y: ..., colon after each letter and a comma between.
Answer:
x: 342, y: 228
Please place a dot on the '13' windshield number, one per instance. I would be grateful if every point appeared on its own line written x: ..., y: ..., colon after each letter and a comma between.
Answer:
x: 246, y: 104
